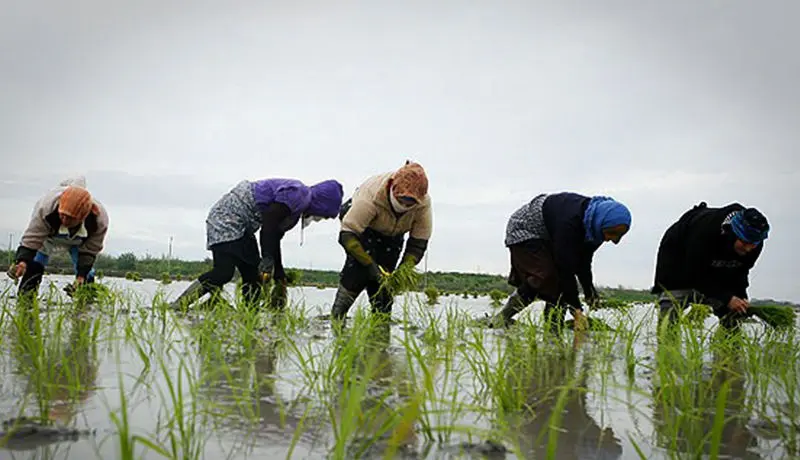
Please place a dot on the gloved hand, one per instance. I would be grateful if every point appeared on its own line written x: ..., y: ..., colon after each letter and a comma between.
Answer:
x: 593, y: 300
x: 377, y: 273
x: 409, y: 259
x: 17, y: 270
x: 279, y: 295
x: 265, y: 269
x: 72, y: 287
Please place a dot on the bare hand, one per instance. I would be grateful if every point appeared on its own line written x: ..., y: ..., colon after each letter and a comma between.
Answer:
x: 17, y: 271
x: 79, y: 280
x: 738, y: 305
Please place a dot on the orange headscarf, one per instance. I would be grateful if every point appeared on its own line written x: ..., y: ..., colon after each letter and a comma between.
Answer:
x: 410, y: 180
x: 75, y: 202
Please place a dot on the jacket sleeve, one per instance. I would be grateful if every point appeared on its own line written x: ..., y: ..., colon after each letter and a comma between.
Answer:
x: 271, y: 235
x: 585, y: 275
x: 357, y: 218
x: 698, y: 268
x: 741, y: 281
x: 94, y: 244
x: 352, y: 245
x: 36, y: 232
x: 422, y: 227
x: 567, y: 247
x: 415, y: 250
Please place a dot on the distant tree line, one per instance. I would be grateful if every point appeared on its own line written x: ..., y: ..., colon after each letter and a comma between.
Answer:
x: 128, y: 265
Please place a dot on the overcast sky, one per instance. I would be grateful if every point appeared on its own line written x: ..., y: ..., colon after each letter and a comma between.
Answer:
x: 164, y: 106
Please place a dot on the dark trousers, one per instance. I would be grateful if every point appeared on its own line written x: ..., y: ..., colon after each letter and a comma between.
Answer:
x: 385, y: 251
x: 534, y: 274
x: 241, y: 254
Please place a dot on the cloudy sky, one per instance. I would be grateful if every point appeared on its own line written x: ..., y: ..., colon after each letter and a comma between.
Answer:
x: 164, y: 106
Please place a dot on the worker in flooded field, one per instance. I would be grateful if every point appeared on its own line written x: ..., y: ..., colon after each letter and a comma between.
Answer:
x: 274, y: 206
x: 705, y: 257
x: 374, y: 223
x: 67, y: 217
x: 551, y: 240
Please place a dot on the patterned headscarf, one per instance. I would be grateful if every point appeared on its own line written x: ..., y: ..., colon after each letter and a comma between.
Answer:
x: 410, y: 180
x: 750, y: 226
x: 75, y: 202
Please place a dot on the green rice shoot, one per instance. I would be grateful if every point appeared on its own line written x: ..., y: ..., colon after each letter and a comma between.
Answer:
x: 776, y: 316
x: 403, y: 279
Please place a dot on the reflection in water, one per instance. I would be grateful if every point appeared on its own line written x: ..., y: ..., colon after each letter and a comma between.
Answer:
x: 61, y: 376
x: 382, y: 391
x: 684, y: 409
x: 557, y: 399
x: 240, y: 390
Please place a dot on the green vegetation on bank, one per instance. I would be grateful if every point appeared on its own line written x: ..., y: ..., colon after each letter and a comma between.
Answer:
x: 128, y: 265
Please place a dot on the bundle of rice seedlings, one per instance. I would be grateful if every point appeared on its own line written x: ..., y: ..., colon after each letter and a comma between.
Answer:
x: 611, y: 304
x: 777, y: 316
x: 404, y: 278
x: 595, y: 324
x: 697, y: 314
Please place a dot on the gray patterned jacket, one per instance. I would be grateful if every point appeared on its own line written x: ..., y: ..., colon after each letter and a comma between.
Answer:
x: 527, y: 222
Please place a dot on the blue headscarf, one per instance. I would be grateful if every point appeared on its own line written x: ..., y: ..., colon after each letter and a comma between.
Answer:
x: 750, y: 226
x: 602, y: 213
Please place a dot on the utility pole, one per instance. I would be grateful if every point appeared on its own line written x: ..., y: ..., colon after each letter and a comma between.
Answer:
x: 10, y: 256
x: 169, y: 255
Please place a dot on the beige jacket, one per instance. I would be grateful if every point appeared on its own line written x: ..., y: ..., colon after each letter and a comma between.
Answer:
x: 371, y: 209
x: 45, y: 225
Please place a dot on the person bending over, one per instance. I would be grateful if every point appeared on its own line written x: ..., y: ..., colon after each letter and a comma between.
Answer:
x: 274, y: 206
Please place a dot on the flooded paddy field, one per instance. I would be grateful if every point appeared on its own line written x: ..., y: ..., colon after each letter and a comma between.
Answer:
x: 141, y: 381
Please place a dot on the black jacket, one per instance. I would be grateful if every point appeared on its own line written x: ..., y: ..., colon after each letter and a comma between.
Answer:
x: 696, y: 252
x: 563, y: 216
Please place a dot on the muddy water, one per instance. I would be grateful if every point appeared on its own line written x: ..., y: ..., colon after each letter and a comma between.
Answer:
x: 615, y: 418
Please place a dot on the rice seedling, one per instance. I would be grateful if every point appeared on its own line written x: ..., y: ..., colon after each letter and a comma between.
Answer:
x: 777, y: 316
x: 404, y: 278
x: 422, y: 384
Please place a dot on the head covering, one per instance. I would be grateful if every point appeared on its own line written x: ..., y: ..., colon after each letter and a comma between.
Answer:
x: 750, y: 226
x: 410, y: 180
x: 326, y: 199
x: 603, y: 213
x: 75, y: 202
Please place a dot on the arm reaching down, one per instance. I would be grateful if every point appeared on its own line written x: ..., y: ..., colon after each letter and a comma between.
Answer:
x: 270, y: 238
x: 352, y: 245
x: 415, y: 250
x: 586, y: 277
x: 37, y: 230
x: 567, y: 245
x: 88, y: 251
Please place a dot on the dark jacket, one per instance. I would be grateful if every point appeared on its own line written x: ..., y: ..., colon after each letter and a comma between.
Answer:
x: 563, y: 216
x: 696, y: 252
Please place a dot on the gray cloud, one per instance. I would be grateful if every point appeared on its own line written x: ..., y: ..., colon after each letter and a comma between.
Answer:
x: 164, y: 106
